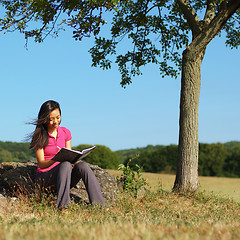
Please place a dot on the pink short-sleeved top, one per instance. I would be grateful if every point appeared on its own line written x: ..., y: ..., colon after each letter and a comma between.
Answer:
x: 53, y: 146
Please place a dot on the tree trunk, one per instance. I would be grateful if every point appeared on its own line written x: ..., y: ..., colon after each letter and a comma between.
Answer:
x: 187, y: 167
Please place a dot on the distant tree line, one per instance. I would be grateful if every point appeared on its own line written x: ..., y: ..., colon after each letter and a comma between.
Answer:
x: 15, y: 152
x: 215, y: 159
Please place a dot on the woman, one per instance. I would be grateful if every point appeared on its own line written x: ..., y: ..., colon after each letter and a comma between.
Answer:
x: 47, y: 138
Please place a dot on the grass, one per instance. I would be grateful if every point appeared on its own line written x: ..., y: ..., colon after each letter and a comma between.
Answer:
x: 160, y: 214
x: 223, y: 187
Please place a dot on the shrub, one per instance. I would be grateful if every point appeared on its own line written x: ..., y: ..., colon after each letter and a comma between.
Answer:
x: 101, y: 156
x: 131, y: 180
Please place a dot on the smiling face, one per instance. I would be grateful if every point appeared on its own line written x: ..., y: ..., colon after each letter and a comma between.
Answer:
x: 54, y: 120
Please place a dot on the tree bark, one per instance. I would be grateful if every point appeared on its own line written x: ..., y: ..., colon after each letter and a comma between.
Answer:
x: 187, y: 168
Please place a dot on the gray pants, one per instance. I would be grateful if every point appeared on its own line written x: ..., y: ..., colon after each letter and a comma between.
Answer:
x: 63, y: 177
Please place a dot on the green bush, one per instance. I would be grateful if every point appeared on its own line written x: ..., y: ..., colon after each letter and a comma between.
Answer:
x: 131, y: 180
x: 101, y: 156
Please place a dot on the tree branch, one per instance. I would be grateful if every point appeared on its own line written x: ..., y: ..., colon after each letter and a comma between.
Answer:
x: 210, y: 12
x: 201, y: 41
x: 190, y: 15
x: 13, y: 22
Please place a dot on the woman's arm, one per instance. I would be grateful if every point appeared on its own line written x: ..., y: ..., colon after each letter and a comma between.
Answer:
x: 42, y: 163
x: 68, y: 144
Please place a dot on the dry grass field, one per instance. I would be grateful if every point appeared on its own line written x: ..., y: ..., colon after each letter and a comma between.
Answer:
x: 159, y: 214
x: 224, y: 187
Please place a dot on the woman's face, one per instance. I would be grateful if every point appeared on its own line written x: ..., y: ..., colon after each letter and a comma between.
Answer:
x: 54, y: 120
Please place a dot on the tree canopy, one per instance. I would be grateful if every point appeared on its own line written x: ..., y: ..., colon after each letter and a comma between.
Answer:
x: 157, y: 30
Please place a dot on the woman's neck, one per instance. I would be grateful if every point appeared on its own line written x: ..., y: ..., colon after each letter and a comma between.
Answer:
x: 53, y: 132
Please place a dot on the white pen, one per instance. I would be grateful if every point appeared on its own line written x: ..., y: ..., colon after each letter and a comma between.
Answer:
x: 58, y: 147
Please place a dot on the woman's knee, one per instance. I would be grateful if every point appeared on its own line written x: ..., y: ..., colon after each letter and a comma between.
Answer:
x: 83, y: 166
x: 66, y: 166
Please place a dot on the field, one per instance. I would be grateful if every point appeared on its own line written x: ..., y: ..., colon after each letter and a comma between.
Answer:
x: 224, y: 187
x: 159, y: 214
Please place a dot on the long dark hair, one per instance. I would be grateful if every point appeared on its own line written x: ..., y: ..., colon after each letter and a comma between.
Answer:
x: 40, y: 135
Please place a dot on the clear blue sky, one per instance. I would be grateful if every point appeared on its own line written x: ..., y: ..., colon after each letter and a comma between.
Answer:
x: 97, y: 109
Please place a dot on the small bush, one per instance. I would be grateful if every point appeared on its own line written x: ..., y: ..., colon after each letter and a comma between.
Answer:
x: 131, y: 180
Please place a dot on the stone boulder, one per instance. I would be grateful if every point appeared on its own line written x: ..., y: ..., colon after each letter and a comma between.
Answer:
x: 21, y: 176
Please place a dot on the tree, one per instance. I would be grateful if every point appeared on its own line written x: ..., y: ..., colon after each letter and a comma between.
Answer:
x: 232, y: 163
x: 175, y: 25
x: 5, y: 156
x: 211, y: 159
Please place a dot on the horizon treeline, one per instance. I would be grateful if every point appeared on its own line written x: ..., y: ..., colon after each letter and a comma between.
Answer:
x: 215, y: 159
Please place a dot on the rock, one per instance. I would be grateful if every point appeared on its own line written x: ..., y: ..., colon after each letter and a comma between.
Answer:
x: 15, y: 175
x: 108, y: 184
x: 21, y: 176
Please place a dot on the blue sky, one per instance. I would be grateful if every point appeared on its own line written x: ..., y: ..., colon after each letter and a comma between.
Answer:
x: 97, y: 109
